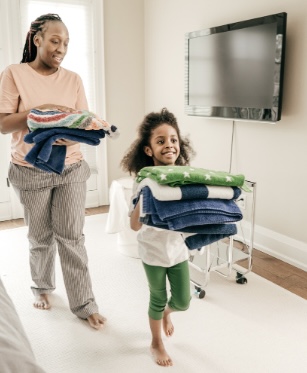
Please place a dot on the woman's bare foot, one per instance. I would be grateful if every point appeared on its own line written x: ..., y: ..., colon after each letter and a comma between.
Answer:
x: 168, y: 326
x: 160, y: 355
x: 41, y: 302
x: 96, y: 321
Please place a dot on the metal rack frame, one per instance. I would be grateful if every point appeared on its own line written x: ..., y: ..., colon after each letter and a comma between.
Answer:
x: 226, y: 256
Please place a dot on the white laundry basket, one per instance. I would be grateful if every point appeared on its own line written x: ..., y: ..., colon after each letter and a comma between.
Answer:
x: 118, y: 221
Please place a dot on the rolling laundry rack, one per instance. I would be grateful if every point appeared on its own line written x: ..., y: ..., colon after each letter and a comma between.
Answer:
x: 229, y: 255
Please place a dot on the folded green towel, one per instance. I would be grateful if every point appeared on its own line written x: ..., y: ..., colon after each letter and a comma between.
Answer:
x: 180, y: 175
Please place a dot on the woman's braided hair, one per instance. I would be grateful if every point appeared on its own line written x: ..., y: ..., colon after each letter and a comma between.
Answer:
x: 30, y: 50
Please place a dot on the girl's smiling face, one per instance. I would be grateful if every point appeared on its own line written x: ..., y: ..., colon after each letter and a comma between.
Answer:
x: 164, y: 147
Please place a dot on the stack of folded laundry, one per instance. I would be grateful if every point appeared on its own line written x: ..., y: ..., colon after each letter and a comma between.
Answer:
x: 47, y: 126
x: 199, y: 203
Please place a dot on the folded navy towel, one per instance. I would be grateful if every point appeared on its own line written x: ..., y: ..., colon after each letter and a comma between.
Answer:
x: 194, y: 219
x: 183, y: 213
x: 54, y: 164
x: 197, y: 241
x: 204, y: 234
x: 200, y: 191
x: 188, y: 191
x: 223, y: 228
x: 51, y: 158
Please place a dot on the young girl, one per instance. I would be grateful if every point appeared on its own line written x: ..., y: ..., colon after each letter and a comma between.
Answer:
x: 163, y: 252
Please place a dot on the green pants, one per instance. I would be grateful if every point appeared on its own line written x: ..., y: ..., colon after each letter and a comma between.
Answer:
x: 179, y: 279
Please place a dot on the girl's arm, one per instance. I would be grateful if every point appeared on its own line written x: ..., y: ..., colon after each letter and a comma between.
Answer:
x: 135, y: 223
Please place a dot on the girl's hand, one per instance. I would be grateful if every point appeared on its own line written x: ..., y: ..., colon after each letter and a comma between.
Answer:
x: 65, y: 142
x: 135, y: 223
x: 65, y: 109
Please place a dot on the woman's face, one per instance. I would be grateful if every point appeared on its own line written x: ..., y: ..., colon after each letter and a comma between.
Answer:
x: 164, y: 147
x: 52, y: 44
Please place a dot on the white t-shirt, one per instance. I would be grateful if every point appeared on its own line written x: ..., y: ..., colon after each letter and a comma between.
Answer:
x: 160, y: 247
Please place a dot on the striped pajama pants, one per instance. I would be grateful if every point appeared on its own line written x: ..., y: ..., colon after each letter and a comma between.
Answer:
x: 54, y: 211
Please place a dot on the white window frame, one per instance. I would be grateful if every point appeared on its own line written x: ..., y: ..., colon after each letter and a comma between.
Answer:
x: 10, y: 25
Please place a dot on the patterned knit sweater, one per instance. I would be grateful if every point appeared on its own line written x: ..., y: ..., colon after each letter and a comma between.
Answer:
x: 82, y: 119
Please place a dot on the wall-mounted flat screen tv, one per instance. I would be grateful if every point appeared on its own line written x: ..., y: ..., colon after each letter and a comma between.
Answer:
x: 235, y: 71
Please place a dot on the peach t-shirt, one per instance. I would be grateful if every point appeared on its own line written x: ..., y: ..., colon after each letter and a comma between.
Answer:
x: 22, y: 88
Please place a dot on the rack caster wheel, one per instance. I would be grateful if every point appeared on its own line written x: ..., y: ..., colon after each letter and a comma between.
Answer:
x: 200, y: 292
x: 240, y: 279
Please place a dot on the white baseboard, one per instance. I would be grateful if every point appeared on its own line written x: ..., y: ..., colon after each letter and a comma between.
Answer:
x: 282, y: 247
x: 5, y: 211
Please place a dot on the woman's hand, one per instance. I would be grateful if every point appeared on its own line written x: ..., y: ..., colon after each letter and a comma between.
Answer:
x: 14, y: 122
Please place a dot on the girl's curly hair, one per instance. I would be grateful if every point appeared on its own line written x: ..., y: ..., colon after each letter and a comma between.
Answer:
x: 135, y: 158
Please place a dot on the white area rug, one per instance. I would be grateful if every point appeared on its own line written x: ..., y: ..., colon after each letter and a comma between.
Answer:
x: 253, y: 328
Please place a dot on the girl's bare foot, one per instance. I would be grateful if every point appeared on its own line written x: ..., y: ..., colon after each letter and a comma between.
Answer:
x: 41, y: 302
x: 96, y: 321
x: 160, y: 355
x: 168, y: 326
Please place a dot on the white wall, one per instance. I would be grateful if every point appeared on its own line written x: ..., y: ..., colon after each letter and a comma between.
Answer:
x: 124, y: 74
x: 144, y: 44
x: 274, y: 156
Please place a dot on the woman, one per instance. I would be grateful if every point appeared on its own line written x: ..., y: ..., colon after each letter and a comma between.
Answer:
x: 53, y: 204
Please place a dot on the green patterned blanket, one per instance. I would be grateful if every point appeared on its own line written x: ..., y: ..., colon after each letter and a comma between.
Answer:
x: 180, y: 175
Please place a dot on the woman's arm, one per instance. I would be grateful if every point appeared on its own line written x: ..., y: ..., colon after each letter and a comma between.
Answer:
x: 10, y: 123
x: 135, y: 223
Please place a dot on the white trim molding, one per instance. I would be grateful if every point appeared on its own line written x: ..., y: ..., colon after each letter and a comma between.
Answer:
x: 279, y: 246
x: 282, y: 247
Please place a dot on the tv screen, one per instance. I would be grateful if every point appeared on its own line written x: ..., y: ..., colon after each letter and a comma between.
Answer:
x: 235, y: 71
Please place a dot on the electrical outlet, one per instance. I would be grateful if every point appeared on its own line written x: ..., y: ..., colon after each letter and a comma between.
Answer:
x: 241, y: 201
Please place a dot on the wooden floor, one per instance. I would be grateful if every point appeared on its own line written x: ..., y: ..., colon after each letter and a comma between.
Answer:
x: 264, y: 265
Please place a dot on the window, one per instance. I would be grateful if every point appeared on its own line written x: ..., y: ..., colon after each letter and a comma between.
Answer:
x: 83, y: 20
